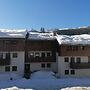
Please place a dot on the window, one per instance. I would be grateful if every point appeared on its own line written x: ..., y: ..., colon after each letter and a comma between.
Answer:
x: 48, y: 54
x: 83, y: 47
x: 1, y: 55
x: 72, y: 48
x: 75, y: 48
x: 43, y: 54
x: 72, y: 72
x: 31, y: 54
x: 6, y: 41
x: 4, y: 55
x: 13, y: 42
x: 72, y: 59
x: 14, y: 68
x: 37, y: 54
x: 48, y: 65
x: 43, y: 65
x: 66, y: 72
x: 66, y: 59
x: 7, y: 55
x: 7, y: 68
x: 69, y: 48
x: 14, y: 55
x: 88, y: 59
x: 78, y: 60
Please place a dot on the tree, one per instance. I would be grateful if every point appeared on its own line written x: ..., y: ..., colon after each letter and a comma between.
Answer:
x: 42, y: 30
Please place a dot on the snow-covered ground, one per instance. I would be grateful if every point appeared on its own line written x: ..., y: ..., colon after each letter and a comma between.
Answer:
x: 76, y: 88
x: 44, y: 80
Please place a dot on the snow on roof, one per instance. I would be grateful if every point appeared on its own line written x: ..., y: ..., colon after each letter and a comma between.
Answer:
x: 74, y: 39
x: 41, y: 36
x: 9, y: 33
x: 83, y: 27
x: 12, y: 33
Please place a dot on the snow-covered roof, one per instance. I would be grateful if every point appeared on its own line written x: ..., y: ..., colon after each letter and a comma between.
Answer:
x: 82, y: 27
x: 12, y: 33
x: 41, y: 36
x: 9, y: 33
x: 74, y: 39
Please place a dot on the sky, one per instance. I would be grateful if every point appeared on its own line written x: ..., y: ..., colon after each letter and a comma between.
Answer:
x: 20, y: 14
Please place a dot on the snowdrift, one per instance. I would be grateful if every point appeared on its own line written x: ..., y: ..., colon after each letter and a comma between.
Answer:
x: 43, y: 75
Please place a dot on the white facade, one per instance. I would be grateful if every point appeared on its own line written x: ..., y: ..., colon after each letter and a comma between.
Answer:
x: 62, y: 66
x: 19, y: 62
x: 14, y: 61
x: 38, y: 66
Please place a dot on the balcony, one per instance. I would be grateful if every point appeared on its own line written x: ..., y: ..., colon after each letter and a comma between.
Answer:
x: 79, y: 65
x: 41, y: 59
x: 5, y: 61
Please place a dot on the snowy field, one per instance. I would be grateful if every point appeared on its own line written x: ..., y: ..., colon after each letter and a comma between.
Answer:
x: 44, y: 80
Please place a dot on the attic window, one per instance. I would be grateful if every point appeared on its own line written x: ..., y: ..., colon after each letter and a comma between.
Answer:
x: 48, y: 54
x: 37, y: 54
x: 31, y: 54
x: 13, y: 42
x: 7, y: 41
x: 83, y: 47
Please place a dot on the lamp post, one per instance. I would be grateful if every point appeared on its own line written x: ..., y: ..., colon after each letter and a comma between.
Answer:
x: 27, y: 66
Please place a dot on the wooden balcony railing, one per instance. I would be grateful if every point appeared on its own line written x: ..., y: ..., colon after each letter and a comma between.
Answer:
x: 41, y: 59
x: 5, y: 61
x: 79, y: 65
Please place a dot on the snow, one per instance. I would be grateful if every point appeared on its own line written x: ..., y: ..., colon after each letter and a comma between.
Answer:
x: 43, y: 75
x: 9, y: 33
x: 12, y: 33
x: 41, y: 36
x: 42, y: 81
x: 8, y: 76
x: 76, y: 88
x: 74, y: 39
x: 16, y: 88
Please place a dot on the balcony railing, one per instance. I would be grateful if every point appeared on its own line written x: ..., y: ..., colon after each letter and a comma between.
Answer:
x: 6, y: 60
x: 41, y: 59
x: 79, y: 65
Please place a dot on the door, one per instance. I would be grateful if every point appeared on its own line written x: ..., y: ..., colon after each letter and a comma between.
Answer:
x: 27, y: 71
x: 27, y: 68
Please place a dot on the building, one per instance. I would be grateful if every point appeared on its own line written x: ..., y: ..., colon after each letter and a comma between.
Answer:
x: 12, y: 52
x: 23, y: 52
x: 74, y: 56
x: 41, y: 52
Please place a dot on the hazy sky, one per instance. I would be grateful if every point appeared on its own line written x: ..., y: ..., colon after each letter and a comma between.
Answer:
x: 44, y: 13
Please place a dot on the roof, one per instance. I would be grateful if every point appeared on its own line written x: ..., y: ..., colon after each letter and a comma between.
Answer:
x: 41, y: 36
x: 9, y: 33
x: 12, y: 33
x: 74, y: 39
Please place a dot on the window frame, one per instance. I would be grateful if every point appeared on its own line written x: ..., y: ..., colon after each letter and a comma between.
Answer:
x: 72, y: 60
x: 72, y: 72
x: 43, y: 65
x: 15, y: 55
x: 78, y: 60
x: 66, y: 72
x: 14, y: 67
x: 48, y: 65
x: 48, y: 54
x: 66, y: 59
x: 7, y: 68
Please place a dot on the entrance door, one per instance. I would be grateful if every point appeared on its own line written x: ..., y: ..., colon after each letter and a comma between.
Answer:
x: 27, y: 68
x: 27, y: 71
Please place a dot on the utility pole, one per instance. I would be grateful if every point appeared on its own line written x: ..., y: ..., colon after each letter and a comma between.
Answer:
x: 27, y: 66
